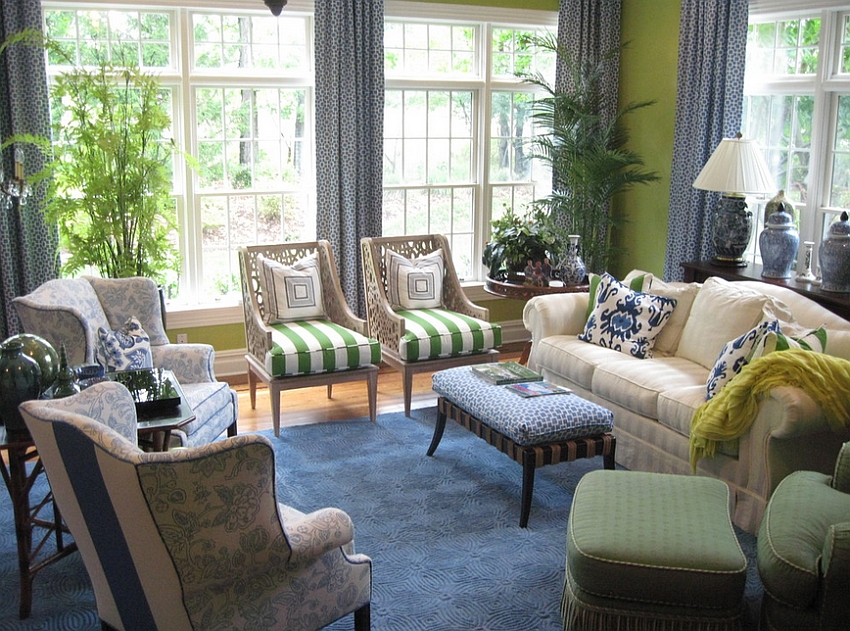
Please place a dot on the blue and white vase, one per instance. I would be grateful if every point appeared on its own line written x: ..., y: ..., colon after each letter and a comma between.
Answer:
x: 834, y: 257
x: 571, y: 268
x: 778, y: 243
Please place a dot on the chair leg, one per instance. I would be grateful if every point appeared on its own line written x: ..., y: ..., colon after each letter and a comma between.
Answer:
x: 363, y: 618
x: 407, y: 379
x: 372, y: 387
x: 252, y: 387
x: 330, y: 391
x: 274, y: 395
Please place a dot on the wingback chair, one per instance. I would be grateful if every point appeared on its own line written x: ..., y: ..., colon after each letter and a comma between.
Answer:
x: 191, y: 539
x: 804, y: 551
x: 449, y: 331
x: 298, y: 337
x: 70, y: 311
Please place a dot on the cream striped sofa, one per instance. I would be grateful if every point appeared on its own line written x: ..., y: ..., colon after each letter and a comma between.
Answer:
x: 456, y: 332
x: 326, y: 348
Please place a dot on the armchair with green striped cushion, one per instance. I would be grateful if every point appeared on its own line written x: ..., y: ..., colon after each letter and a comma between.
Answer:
x: 300, y: 330
x: 416, y: 308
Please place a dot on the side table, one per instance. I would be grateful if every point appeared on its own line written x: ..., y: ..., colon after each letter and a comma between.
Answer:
x: 519, y: 291
x: 33, y: 553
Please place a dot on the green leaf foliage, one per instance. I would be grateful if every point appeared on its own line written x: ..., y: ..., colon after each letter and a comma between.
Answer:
x: 588, y: 155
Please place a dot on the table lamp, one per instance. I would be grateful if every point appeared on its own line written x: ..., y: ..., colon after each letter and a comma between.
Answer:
x: 735, y: 169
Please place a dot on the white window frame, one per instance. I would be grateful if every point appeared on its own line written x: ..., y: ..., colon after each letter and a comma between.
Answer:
x: 227, y: 312
x: 825, y: 87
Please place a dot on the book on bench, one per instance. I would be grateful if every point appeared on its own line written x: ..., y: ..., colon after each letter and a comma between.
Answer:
x: 501, y: 373
x: 536, y: 389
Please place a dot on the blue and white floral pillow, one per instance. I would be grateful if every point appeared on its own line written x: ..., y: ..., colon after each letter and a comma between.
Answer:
x: 736, y: 354
x: 127, y: 348
x: 625, y: 320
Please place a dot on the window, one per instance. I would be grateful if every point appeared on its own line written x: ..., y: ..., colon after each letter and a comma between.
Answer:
x: 797, y: 105
x: 240, y: 85
x: 456, y: 127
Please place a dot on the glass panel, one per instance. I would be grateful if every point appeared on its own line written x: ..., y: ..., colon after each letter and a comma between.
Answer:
x: 783, y: 48
x: 840, y: 181
x: 438, y: 49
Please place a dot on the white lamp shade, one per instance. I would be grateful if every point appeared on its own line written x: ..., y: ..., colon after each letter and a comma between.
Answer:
x: 736, y: 166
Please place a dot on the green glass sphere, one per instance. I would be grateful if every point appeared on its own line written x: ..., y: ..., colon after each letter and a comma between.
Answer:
x: 43, y: 353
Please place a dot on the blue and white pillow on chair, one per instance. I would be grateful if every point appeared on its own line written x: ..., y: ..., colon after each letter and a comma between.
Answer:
x: 127, y: 348
x: 626, y: 320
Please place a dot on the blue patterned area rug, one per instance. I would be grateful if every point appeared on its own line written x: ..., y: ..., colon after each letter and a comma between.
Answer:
x: 443, y: 532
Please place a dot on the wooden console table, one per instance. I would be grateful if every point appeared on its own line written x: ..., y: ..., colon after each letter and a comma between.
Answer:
x: 698, y: 271
x: 519, y: 291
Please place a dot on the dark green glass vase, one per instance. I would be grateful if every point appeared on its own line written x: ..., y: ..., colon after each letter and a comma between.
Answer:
x: 20, y: 380
x: 65, y: 385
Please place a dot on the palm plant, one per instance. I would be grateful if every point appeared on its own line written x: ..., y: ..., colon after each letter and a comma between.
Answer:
x: 585, y: 148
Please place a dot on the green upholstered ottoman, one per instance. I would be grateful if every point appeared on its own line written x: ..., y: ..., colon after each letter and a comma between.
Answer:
x: 652, y: 551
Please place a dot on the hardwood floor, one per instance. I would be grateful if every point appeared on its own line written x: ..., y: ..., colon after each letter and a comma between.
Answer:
x: 312, y: 405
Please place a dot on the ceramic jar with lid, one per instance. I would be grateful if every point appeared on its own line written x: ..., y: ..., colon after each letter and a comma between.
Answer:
x: 778, y: 243
x: 834, y: 256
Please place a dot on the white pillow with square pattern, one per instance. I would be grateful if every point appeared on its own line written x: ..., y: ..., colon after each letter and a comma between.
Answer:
x: 292, y: 292
x: 416, y: 284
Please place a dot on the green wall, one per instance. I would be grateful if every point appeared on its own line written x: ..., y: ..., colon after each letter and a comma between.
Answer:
x: 648, y: 69
x: 647, y: 72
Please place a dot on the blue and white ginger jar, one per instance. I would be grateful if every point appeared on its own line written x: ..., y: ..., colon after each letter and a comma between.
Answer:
x: 778, y: 243
x: 834, y: 257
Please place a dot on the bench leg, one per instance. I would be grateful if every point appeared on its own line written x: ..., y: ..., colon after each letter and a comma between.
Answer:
x: 608, y: 459
x: 528, y: 465
x: 438, y: 432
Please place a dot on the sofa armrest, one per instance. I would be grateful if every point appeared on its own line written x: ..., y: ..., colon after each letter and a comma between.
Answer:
x: 190, y: 363
x: 835, y: 569
x: 555, y: 314
x: 841, y: 476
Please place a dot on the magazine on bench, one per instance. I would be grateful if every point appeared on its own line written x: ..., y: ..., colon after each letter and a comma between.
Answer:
x: 500, y: 373
x: 536, y: 389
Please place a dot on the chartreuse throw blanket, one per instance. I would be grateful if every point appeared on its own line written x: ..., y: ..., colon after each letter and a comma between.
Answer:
x: 731, y: 412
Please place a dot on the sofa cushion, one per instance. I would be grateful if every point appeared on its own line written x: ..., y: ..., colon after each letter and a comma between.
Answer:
x: 735, y: 355
x: 568, y: 357
x: 292, y: 292
x: 668, y: 340
x: 635, y: 385
x: 721, y: 312
x: 417, y: 283
x: 793, y: 533
x: 625, y: 320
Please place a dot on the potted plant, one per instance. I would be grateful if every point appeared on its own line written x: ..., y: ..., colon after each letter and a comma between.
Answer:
x: 586, y: 152
x: 109, y: 169
x: 515, y: 240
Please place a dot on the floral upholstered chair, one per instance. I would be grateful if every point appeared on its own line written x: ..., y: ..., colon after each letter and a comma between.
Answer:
x: 89, y: 314
x: 191, y: 539
x: 299, y: 329
x: 416, y: 308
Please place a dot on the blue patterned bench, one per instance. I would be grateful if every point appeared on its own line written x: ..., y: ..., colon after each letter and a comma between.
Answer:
x: 534, y: 431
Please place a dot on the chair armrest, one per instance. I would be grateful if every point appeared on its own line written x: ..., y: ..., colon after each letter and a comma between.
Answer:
x: 385, y: 325
x: 835, y: 569
x: 318, y: 533
x: 190, y: 363
x: 555, y: 314
x: 841, y: 477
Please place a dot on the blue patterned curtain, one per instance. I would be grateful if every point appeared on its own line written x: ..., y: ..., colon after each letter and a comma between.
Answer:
x: 349, y: 48
x: 29, y: 249
x: 589, y: 30
x: 712, y: 49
